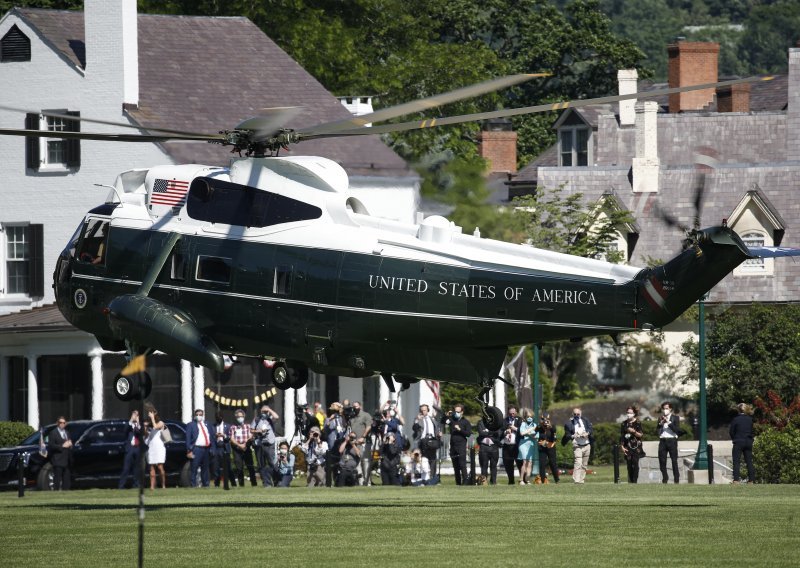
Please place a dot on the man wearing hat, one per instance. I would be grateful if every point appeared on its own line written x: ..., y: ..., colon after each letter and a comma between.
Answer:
x: 315, y: 450
x: 334, y: 432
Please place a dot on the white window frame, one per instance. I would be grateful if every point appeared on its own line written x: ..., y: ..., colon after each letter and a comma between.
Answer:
x: 4, y: 269
x: 753, y: 266
x: 55, y: 124
x: 573, y: 130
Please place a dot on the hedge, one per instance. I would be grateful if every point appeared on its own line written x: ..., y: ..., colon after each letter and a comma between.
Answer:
x: 12, y: 433
x: 776, y: 455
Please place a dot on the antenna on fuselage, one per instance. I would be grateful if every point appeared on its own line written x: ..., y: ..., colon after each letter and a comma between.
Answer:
x: 112, y: 188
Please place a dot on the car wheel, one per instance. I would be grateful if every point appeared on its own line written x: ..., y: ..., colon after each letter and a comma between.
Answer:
x: 280, y: 376
x: 44, y: 481
x: 186, y: 474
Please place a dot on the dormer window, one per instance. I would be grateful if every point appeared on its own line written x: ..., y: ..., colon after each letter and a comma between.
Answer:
x: 15, y: 46
x: 574, y: 140
x: 759, y: 224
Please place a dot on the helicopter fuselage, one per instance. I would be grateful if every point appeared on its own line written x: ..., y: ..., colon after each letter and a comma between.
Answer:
x: 300, y: 271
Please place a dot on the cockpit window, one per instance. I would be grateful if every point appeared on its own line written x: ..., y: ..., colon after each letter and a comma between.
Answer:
x: 219, y: 201
x: 92, y: 248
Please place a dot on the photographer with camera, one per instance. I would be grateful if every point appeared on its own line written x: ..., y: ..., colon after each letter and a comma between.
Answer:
x: 460, y: 431
x: 547, y: 448
x: 263, y: 428
x: 316, y: 451
x: 241, y: 438
x: 630, y: 440
x: 489, y: 450
x: 334, y: 432
x: 390, y: 460
x: 360, y: 424
x: 284, y: 466
x: 428, y: 434
x: 349, y: 461
x: 668, y: 431
x: 419, y: 469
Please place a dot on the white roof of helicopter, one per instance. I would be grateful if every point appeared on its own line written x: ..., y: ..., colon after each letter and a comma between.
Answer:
x: 345, y: 223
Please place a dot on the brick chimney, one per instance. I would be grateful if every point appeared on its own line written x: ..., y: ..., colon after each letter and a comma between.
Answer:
x: 692, y: 63
x: 112, y: 50
x: 734, y: 98
x: 497, y: 144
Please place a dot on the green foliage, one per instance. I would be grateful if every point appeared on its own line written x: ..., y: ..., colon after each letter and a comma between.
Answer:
x: 776, y: 455
x: 12, y: 433
x: 749, y: 351
x: 455, y: 393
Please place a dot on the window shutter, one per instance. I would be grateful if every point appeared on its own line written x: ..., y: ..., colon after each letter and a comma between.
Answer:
x: 73, y: 145
x: 36, y: 262
x: 32, y: 143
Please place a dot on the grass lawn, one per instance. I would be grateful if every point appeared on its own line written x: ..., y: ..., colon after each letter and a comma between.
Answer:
x: 597, y: 524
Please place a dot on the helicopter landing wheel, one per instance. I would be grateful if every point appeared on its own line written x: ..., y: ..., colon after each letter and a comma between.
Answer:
x: 280, y: 377
x: 493, y: 418
x: 132, y: 388
x: 298, y: 376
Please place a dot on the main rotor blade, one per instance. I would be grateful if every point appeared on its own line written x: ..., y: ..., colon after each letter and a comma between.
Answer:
x: 432, y: 122
x: 99, y: 121
x: 107, y: 136
x: 421, y: 104
x: 269, y: 122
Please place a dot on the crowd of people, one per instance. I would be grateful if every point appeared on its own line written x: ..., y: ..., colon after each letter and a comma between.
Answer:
x: 346, y: 446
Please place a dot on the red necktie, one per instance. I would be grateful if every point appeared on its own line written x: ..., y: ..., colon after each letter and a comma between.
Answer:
x: 205, y: 434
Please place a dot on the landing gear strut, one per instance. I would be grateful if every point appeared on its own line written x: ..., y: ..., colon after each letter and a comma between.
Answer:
x: 135, y: 386
x: 492, y: 416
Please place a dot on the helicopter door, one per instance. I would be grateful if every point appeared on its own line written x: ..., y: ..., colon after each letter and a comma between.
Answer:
x: 316, y: 284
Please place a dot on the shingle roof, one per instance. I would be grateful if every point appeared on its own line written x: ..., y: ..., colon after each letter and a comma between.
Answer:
x: 45, y: 318
x: 206, y: 74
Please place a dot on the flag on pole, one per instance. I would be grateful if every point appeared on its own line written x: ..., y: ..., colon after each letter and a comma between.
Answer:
x: 434, y: 388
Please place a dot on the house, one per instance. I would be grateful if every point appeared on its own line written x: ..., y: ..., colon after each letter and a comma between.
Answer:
x: 646, y: 154
x: 197, y: 74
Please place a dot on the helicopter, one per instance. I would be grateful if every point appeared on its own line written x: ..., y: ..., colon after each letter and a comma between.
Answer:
x: 272, y: 257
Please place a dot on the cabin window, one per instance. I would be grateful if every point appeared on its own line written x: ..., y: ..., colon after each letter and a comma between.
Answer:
x: 15, y: 46
x: 217, y: 201
x: 53, y: 154
x: 23, y: 267
x: 177, y: 269
x: 214, y: 269
x: 93, y: 246
x: 282, y: 282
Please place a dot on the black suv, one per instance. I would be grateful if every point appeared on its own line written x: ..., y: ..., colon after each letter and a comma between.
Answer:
x: 98, y: 453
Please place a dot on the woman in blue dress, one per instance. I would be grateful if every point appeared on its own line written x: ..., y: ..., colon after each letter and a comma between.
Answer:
x: 527, y: 445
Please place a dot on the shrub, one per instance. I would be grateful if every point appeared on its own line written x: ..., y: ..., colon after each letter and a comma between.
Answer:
x: 776, y: 455
x: 12, y: 433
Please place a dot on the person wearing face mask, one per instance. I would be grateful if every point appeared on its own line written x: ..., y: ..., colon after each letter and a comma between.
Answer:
x: 489, y: 450
x: 668, y: 431
x: 221, y: 451
x: 630, y: 440
x: 579, y: 430
x: 263, y: 428
x: 360, y: 425
x: 241, y: 438
x: 460, y: 431
x: 547, y: 449
x: 527, y: 445
x: 199, y: 439
x: 284, y: 466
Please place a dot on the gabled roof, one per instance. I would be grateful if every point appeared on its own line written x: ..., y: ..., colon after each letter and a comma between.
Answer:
x: 45, y: 318
x: 206, y: 74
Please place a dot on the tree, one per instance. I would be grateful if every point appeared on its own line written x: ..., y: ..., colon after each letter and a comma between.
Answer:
x: 749, y: 351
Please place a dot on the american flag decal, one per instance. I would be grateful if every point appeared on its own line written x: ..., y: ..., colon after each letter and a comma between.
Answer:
x: 655, y: 294
x: 171, y: 193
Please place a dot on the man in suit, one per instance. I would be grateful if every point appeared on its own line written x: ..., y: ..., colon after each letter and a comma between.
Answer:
x: 221, y: 451
x: 579, y: 430
x: 59, y: 447
x: 460, y: 431
x: 510, y: 443
x: 427, y: 433
x: 668, y: 431
x: 198, y: 447
x: 132, y: 451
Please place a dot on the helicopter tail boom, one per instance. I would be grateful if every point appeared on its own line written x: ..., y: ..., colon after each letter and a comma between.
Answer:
x: 666, y: 291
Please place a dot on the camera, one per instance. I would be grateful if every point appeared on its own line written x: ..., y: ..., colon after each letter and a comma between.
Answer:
x: 349, y: 412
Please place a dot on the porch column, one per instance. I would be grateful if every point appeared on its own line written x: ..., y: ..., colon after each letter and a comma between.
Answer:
x: 186, y: 391
x: 288, y: 412
x: 33, y: 393
x: 199, y: 388
x: 96, y: 356
x: 5, y: 392
x: 302, y: 395
x: 500, y: 395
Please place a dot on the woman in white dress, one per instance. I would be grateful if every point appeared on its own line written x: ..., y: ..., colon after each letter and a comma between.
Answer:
x: 156, y: 451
